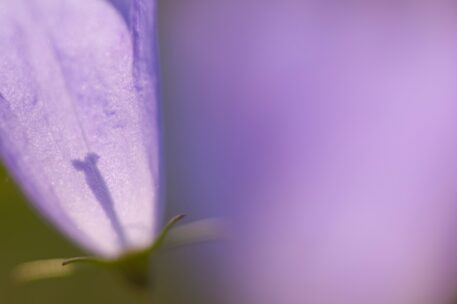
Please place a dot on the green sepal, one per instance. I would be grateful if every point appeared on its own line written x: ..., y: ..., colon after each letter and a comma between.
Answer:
x: 134, y: 266
x: 41, y: 270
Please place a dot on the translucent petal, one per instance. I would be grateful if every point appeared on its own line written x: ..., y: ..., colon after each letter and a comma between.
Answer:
x: 73, y: 128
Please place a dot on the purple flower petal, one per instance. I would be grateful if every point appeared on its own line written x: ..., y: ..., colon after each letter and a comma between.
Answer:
x: 74, y: 130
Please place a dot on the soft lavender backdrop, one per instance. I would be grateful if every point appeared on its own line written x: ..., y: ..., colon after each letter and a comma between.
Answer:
x: 324, y: 131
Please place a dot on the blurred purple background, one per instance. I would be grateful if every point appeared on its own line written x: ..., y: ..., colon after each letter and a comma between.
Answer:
x: 324, y: 133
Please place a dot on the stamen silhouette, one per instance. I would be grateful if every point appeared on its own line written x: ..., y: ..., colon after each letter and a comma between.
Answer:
x: 101, y: 192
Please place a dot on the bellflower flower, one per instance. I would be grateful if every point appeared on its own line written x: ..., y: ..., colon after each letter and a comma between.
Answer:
x: 78, y: 126
x: 326, y: 132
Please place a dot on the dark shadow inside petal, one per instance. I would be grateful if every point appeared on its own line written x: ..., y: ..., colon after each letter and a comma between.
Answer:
x: 98, y: 186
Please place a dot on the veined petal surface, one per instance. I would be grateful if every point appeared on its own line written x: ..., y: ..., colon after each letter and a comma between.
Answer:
x: 73, y: 130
